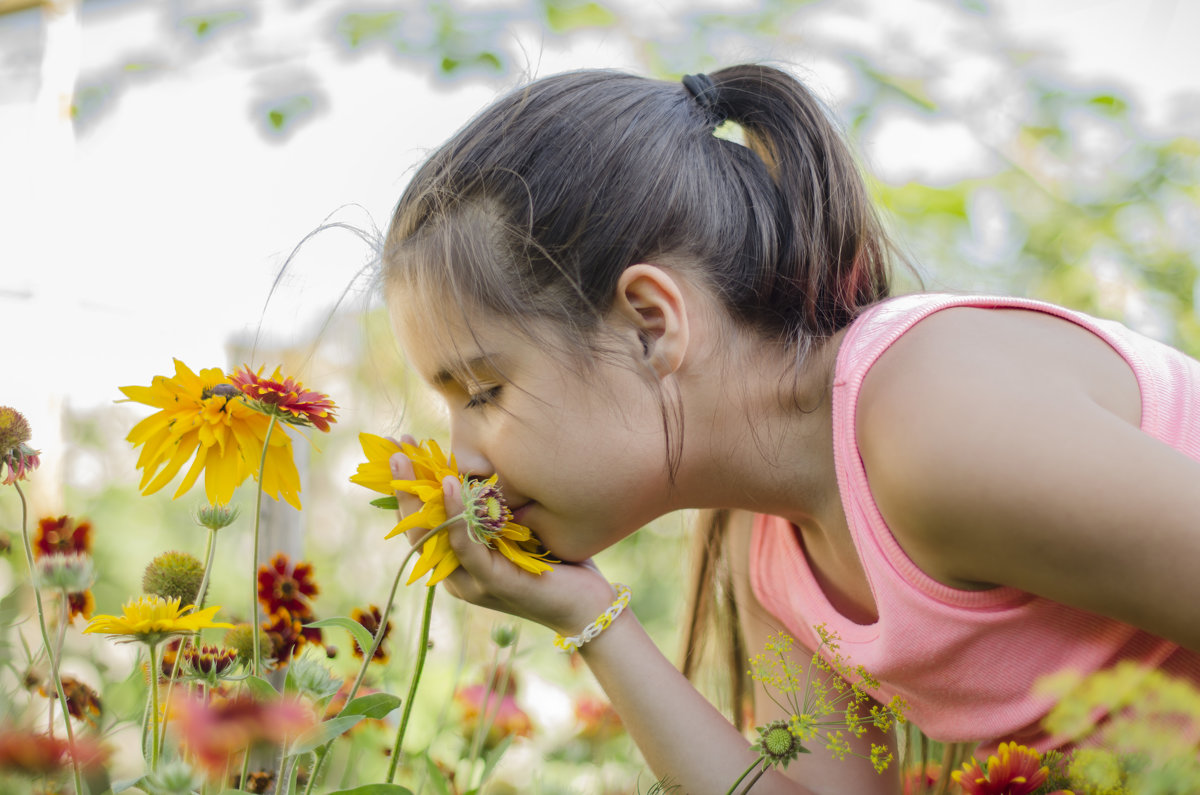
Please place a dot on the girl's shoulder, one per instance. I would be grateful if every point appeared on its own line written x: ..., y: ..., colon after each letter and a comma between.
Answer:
x: 1004, y: 448
x: 965, y: 405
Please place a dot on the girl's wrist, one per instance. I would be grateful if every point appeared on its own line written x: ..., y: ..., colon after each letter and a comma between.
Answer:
x: 570, y: 643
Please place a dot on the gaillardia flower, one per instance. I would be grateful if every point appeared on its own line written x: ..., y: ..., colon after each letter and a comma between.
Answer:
x: 203, y: 418
x: 483, y: 510
x: 62, y: 535
x: 286, y: 398
x: 150, y: 619
x: 15, y: 453
x: 1012, y: 770
x: 282, y: 585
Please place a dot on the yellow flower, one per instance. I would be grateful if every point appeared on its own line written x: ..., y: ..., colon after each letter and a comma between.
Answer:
x: 205, y: 417
x: 376, y: 474
x: 483, y: 509
x: 151, y: 619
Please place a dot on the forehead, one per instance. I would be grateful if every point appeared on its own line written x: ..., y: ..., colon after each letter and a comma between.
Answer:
x: 444, y: 339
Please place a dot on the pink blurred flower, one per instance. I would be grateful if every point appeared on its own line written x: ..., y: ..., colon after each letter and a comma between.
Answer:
x: 223, y: 728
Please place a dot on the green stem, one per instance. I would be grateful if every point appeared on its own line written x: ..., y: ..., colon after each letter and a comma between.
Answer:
x: 412, y: 687
x: 283, y: 768
x: 750, y: 784
x: 262, y: 464
x: 54, y: 672
x: 209, y: 552
x: 369, y: 654
x: 482, y: 726
x: 733, y: 787
x: 154, y: 741
x: 381, y: 630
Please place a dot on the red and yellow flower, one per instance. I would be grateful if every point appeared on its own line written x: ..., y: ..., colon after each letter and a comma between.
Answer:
x: 286, y: 398
x: 62, y: 535
x: 282, y: 585
x: 1013, y: 770
x: 370, y: 619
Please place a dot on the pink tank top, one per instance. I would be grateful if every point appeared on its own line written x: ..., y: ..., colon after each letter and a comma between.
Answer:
x: 966, y: 661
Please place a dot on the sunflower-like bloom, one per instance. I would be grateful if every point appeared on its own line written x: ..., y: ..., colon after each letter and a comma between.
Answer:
x: 286, y: 398
x: 1013, y: 770
x: 150, y: 619
x: 205, y: 416
x: 483, y: 509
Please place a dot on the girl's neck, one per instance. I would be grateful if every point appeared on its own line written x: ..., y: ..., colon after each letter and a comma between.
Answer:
x: 758, y: 438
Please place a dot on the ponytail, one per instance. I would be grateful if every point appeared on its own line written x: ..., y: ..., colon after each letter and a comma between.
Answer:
x: 824, y: 255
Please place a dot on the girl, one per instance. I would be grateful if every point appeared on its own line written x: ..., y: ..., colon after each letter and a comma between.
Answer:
x: 628, y: 315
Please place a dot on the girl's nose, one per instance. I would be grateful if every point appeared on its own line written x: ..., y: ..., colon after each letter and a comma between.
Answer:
x: 471, y: 461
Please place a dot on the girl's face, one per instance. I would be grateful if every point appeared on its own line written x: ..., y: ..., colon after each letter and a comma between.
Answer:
x: 581, y: 457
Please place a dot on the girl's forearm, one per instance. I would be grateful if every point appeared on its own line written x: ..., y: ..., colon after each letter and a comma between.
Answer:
x: 685, y: 739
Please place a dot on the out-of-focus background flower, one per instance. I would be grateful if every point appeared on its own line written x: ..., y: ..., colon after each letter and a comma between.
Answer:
x: 161, y: 160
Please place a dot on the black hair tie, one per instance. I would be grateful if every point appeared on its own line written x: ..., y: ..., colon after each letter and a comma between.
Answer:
x: 702, y: 89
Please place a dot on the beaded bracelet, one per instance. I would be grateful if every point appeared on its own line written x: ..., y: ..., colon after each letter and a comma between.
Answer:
x: 596, y: 627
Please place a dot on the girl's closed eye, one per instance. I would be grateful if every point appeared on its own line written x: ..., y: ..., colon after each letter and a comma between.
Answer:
x: 483, y: 397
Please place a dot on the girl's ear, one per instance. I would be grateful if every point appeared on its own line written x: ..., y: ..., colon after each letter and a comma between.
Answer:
x: 650, y: 298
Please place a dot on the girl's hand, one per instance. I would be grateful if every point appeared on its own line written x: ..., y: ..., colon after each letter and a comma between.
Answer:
x: 565, y: 599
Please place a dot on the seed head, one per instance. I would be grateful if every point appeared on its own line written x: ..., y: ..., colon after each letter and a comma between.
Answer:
x: 174, y: 575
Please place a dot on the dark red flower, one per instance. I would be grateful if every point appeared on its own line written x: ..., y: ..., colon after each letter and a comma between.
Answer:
x: 286, y: 587
x: 286, y: 398
x: 288, y: 634
x: 83, y: 703
x: 370, y: 619
x: 81, y: 603
x: 63, y: 535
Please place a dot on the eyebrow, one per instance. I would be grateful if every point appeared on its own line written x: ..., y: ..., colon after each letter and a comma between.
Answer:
x: 447, y: 375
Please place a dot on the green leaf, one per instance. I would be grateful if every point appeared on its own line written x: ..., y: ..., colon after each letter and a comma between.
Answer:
x: 390, y: 503
x: 11, y: 608
x: 322, y: 733
x: 375, y: 705
x: 126, y: 783
x: 436, y: 777
x: 493, y: 757
x: 356, y: 629
x: 375, y: 789
x: 563, y: 17
x: 261, y: 689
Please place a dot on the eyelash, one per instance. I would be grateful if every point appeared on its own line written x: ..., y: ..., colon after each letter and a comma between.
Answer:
x: 483, y: 398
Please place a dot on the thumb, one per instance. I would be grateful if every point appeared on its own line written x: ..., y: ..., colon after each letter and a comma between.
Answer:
x: 452, y: 493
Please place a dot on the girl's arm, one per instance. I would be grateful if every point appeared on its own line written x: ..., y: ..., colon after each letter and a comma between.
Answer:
x: 1000, y: 457
x: 686, y: 741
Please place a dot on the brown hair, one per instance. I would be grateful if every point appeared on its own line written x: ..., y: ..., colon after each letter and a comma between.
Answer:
x: 536, y: 207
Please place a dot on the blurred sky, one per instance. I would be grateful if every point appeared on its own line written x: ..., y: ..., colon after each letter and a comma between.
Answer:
x: 155, y: 229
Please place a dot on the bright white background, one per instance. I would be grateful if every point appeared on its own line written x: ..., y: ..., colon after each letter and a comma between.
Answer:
x: 156, y: 231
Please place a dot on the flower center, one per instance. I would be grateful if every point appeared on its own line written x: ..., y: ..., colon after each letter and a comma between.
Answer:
x: 484, y: 510
x: 778, y: 741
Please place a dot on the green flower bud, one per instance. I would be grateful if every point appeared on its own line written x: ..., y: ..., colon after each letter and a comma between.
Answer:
x: 174, y: 575
x: 72, y: 573
x: 215, y: 517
